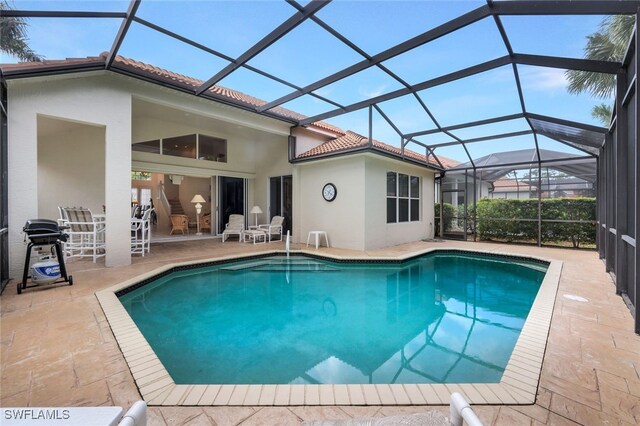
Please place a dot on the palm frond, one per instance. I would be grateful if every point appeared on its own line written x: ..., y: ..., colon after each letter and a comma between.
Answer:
x: 13, y: 37
x: 609, y: 43
x: 602, y: 113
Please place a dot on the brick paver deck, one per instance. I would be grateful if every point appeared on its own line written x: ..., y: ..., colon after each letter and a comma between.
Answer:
x: 57, y: 349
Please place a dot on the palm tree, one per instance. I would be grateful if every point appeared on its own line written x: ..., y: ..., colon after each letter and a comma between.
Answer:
x: 609, y: 43
x: 13, y: 37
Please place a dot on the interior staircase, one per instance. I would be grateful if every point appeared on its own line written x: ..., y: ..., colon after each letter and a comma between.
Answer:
x: 176, y: 207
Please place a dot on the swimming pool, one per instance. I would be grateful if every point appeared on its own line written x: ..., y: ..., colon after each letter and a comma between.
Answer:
x: 444, y: 317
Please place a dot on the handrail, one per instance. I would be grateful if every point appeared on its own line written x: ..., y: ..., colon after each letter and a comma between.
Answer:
x: 460, y: 412
x: 163, y: 200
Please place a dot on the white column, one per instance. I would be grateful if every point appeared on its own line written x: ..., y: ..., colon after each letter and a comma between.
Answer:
x: 117, y: 188
x: 23, y: 178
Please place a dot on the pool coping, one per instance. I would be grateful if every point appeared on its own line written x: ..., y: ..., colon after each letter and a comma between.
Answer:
x: 518, y: 385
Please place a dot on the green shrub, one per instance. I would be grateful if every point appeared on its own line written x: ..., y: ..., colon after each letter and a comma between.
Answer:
x: 517, y: 220
x: 448, y: 212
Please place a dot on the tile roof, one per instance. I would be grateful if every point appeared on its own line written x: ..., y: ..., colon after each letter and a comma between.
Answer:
x: 344, y: 141
x: 163, y: 75
x: 509, y: 185
x: 352, y: 141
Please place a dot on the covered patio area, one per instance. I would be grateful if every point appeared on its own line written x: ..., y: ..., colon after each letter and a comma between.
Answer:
x: 58, y: 349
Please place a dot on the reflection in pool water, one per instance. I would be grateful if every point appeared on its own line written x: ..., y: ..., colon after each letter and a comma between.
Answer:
x: 440, y: 318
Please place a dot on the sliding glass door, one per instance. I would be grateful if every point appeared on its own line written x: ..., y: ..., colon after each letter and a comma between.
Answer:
x: 281, y: 200
x: 231, y: 199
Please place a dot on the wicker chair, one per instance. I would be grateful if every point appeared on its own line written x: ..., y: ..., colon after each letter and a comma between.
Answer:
x: 179, y: 222
x: 205, y: 222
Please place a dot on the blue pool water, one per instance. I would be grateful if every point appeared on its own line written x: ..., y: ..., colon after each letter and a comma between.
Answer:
x: 439, y: 318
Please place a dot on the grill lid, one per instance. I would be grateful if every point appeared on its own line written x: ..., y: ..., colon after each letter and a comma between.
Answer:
x: 41, y: 226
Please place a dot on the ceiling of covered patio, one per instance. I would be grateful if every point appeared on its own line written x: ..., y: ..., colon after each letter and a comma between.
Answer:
x: 461, y: 80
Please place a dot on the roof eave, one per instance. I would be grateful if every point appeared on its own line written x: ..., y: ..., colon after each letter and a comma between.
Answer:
x: 363, y: 150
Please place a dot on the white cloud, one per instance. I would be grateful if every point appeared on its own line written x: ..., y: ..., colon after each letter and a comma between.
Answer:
x: 549, y: 80
x: 372, y: 91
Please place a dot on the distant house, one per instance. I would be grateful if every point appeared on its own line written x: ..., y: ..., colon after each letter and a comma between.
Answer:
x: 512, y: 188
x: 77, y: 132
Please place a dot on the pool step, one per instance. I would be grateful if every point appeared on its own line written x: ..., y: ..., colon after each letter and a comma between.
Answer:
x: 282, y: 265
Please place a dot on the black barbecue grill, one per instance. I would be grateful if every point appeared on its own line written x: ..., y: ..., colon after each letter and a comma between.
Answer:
x: 44, y: 232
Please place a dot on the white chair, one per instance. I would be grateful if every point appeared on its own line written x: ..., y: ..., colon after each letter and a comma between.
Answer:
x: 86, y: 235
x: 141, y: 233
x: 234, y: 227
x: 273, y: 228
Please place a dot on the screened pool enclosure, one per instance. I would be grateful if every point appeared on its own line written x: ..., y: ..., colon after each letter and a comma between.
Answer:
x: 475, y: 88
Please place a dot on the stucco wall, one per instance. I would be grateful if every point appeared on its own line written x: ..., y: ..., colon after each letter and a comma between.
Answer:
x: 357, y: 219
x: 378, y: 232
x: 342, y: 219
x: 66, y: 158
x: 92, y: 100
x: 307, y: 139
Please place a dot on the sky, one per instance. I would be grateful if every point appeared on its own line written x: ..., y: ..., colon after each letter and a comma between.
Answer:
x: 309, y: 53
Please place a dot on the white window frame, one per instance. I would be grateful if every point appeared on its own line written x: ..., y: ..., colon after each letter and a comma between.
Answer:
x: 409, y: 196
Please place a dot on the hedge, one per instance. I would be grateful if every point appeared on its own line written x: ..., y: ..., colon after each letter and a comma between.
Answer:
x: 448, y: 212
x: 515, y: 229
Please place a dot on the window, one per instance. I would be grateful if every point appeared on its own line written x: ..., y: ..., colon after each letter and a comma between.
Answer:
x: 135, y: 175
x: 141, y: 196
x: 403, y: 198
x: 149, y: 146
x: 180, y: 146
x: 212, y: 149
x: 196, y: 146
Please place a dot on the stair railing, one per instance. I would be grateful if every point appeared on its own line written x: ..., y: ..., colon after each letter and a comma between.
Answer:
x: 164, y: 200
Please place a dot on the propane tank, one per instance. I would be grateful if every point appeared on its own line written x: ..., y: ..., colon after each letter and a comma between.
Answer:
x: 45, y: 271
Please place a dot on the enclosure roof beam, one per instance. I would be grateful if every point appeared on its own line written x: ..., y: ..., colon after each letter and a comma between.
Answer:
x: 576, y: 7
x: 568, y: 160
x: 122, y: 32
x: 604, y: 67
x: 557, y: 139
x: 467, y: 72
x: 11, y: 13
x: 437, y: 32
x: 275, y: 35
x: 568, y: 123
x: 487, y: 138
x: 225, y: 57
x: 466, y: 125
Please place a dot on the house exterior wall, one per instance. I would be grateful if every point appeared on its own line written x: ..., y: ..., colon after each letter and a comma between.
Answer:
x: 357, y: 218
x: 342, y: 218
x: 379, y: 233
x: 91, y: 100
x: 307, y: 139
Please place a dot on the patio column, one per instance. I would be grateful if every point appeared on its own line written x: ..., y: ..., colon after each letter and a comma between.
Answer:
x: 117, y: 191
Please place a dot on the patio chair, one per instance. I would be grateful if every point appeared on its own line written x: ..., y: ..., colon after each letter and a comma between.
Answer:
x: 205, y: 222
x: 273, y: 228
x: 86, y: 235
x: 234, y: 227
x: 141, y: 233
x: 179, y: 222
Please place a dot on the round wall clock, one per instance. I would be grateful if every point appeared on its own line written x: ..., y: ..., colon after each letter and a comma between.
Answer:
x: 329, y: 192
